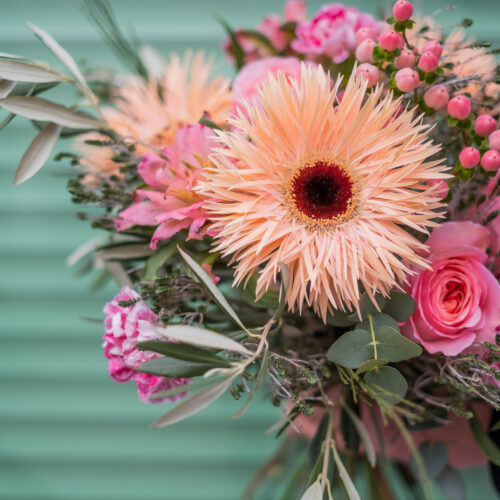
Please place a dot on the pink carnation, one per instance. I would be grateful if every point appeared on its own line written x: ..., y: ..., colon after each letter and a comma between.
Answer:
x: 126, y: 326
x: 458, y: 301
x: 169, y: 202
x: 332, y: 32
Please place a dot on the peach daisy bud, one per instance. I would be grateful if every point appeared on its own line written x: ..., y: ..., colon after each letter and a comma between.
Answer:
x: 364, y: 51
x: 494, y: 140
x: 434, y: 47
x: 402, y: 10
x: 491, y: 161
x: 459, y: 107
x: 436, y: 97
x: 485, y: 124
x: 442, y: 188
x: 369, y: 72
x: 428, y: 62
x: 365, y: 34
x: 407, y: 79
x: 469, y: 157
x: 407, y: 59
x: 391, y: 40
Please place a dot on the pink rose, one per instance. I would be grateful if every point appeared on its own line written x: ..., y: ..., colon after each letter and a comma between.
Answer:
x: 332, y: 32
x: 295, y: 11
x: 127, y: 325
x: 248, y: 80
x: 270, y: 27
x: 458, y: 301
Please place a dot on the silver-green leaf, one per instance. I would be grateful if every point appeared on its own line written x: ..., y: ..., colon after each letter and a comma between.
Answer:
x: 344, y: 475
x: 6, y: 87
x: 199, y: 336
x: 60, y: 53
x: 18, y: 71
x: 37, y: 153
x: 35, y: 108
x: 314, y: 492
x: 194, y: 404
x: 207, y: 281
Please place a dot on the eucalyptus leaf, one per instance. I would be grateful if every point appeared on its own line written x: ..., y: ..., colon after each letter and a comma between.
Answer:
x: 371, y: 364
x: 367, y: 306
x: 400, y: 306
x: 37, y: 153
x: 315, y: 446
x: 314, y: 492
x: 215, y: 293
x: 316, y: 469
x: 485, y: 443
x: 341, y: 319
x: 172, y: 367
x: 61, y: 54
x: 157, y: 260
x: 356, y: 347
x: 378, y: 320
x: 6, y: 88
x: 183, y: 351
x: 434, y: 456
x: 194, y: 404
x: 17, y: 71
x: 270, y: 300
x: 35, y: 108
x: 344, y: 475
x: 197, y: 336
x: 452, y: 483
x: 388, y: 383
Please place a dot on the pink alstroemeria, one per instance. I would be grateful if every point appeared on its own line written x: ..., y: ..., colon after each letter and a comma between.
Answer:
x: 169, y: 201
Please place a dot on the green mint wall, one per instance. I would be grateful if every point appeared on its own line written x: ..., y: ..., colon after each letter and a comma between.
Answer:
x: 66, y: 430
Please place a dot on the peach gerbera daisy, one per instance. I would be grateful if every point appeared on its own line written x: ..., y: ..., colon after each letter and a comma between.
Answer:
x: 326, y: 190
x: 151, y: 112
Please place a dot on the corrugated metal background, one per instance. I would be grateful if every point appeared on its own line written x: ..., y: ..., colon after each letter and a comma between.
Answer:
x: 66, y: 430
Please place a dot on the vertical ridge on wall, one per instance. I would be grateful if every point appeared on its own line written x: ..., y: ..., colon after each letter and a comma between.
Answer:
x: 66, y: 430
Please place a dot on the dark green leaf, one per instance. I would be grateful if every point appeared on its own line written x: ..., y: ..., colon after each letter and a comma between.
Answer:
x: 355, y: 347
x: 269, y: 300
x: 197, y: 384
x: 171, y: 367
x: 236, y: 48
x: 367, y: 307
x: 388, y: 383
x: 183, y: 351
x: 435, y: 457
x: 485, y: 443
x: 370, y: 365
x: 378, y: 320
x: 400, y: 306
x: 340, y: 318
x: 157, y: 260
x: 317, y: 441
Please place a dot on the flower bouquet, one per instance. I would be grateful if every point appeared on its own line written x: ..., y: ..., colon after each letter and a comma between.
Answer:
x: 324, y: 229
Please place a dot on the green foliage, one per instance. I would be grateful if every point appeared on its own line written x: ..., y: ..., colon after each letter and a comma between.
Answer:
x: 388, y: 382
x: 400, y: 306
x: 485, y: 443
x: 435, y: 457
x: 172, y: 367
x: 270, y: 300
x: 358, y: 346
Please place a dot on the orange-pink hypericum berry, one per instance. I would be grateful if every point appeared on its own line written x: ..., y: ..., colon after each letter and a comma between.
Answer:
x: 485, y: 124
x: 491, y: 161
x: 369, y: 72
x: 391, y: 40
x: 402, y: 10
x: 428, y: 62
x: 407, y: 80
x: 364, y: 51
x: 469, y: 157
x: 365, y: 34
x: 406, y: 59
x: 494, y: 140
x: 459, y: 107
x: 434, y: 47
x: 436, y: 97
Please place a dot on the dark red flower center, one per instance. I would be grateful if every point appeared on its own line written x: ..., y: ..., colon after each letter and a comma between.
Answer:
x: 322, y: 190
